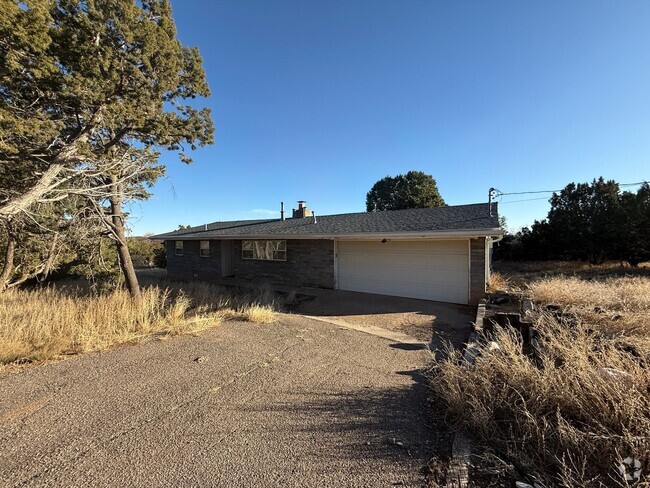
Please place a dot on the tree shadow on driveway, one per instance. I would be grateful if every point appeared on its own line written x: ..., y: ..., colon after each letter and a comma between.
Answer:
x: 393, y: 430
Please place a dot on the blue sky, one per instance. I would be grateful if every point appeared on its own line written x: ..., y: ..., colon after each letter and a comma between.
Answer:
x: 317, y: 100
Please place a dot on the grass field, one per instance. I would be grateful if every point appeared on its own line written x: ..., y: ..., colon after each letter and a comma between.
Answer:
x: 51, y: 322
x: 572, y: 416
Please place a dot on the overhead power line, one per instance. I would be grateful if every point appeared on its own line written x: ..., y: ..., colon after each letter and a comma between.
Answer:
x: 495, y: 195
x: 525, y: 200
x: 499, y: 193
x: 632, y: 184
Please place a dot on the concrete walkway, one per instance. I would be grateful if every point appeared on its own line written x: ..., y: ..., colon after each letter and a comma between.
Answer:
x: 296, y: 403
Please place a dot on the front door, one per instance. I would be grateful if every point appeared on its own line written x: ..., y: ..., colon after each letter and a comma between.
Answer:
x: 227, y: 258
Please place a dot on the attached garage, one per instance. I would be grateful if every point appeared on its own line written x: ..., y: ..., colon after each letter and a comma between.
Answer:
x: 426, y: 269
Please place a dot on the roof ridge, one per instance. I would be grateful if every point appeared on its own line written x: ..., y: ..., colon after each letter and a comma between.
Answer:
x: 451, y: 217
x: 407, y: 209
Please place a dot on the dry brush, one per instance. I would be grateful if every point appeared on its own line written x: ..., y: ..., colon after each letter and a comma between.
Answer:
x: 571, y: 415
x: 48, y: 323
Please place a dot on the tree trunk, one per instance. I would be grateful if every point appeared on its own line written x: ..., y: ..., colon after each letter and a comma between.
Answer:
x: 26, y: 200
x: 8, y: 268
x: 49, y: 180
x: 50, y: 259
x: 117, y: 224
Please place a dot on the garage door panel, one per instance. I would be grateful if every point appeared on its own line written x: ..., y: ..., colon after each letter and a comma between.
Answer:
x: 399, y: 260
x: 440, y: 293
x: 432, y: 270
x: 417, y: 278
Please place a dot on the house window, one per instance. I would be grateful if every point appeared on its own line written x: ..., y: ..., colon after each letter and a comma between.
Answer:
x: 264, y: 250
x: 179, y: 248
x: 205, y: 249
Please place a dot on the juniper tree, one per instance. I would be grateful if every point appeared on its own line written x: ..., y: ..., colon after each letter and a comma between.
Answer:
x: 91, y: 91
x: 415, y: 189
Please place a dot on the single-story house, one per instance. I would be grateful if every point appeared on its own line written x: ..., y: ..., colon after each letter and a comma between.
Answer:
x: 440, y: 254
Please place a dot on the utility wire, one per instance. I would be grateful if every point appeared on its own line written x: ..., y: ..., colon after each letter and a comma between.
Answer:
x: 526, y: 192
x: 525, y: 200
x: 632, y: 184
x: 499, y: 193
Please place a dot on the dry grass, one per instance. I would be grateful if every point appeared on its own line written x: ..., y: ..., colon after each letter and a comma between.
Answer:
x: 571, y: 414
x: 631, y: 294
x: 520, y: 274
x: 258, y: 314
x: 46, y: 323
x: 612, y: 306
x: 566, y: 421
x: 498, y: 282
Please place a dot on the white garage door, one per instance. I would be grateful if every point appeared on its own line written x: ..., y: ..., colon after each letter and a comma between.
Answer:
x: 431, y: 270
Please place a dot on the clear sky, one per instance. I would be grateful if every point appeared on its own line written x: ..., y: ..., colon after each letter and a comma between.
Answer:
x: 317, y: 100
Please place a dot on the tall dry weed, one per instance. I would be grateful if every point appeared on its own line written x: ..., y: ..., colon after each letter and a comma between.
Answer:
x: 45, y: 323
x: 498, y: 282
x: 568, y: 419
x: 615, y: 305
x: 572, y: 414
x: 40, y: 324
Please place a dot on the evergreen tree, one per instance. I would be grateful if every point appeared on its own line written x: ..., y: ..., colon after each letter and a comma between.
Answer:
x: 415, y: 189
x: 90, y: 92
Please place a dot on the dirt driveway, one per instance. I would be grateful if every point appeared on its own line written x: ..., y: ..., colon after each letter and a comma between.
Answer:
x: 426, y: 321
x: 295, y: 403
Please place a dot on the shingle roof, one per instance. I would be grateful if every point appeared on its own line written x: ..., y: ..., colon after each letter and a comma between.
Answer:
x: 457, y: 218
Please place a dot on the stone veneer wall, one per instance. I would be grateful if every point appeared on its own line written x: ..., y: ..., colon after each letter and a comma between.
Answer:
x: 478, y: 270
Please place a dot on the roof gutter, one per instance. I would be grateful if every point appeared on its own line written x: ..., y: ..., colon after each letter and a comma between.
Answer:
x: 454, y: 234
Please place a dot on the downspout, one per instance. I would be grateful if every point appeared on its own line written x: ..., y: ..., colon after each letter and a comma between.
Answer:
x: 492, y: 240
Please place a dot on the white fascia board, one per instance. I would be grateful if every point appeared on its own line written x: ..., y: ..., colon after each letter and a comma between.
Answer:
x: 452, y: 234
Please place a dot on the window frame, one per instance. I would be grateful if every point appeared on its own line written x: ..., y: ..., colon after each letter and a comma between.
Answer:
x: 178, y: 248
x: 250, y: 250
x: 201, y: 249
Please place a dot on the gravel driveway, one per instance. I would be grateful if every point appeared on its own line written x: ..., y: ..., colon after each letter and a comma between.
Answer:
x: 295, y: 403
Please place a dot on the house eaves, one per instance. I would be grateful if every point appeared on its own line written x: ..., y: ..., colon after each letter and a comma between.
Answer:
x: 455, y: 234
x: 474, y: 220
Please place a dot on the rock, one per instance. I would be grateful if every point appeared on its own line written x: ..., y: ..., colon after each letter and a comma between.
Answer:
x: 616, y: 375
x: 459, y: 464
x: 493, y: 346
x: 630, y: 469
x: 527, y: 306
x: 470, y: 353
x: 200, y: 359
